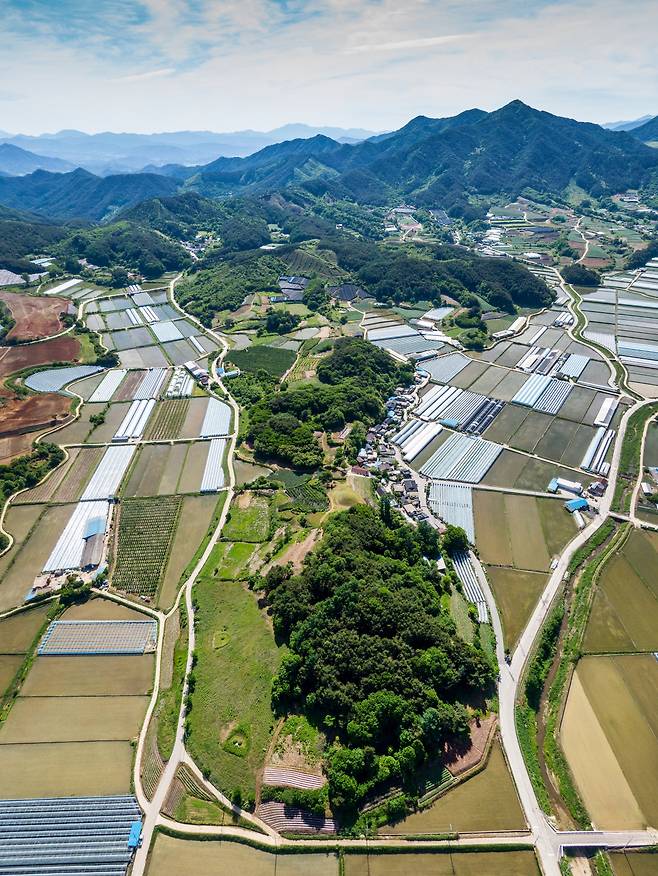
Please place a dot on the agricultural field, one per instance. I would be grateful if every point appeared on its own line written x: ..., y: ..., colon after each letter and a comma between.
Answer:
x: 35, y: 317
x: 308, y: 497
x: 64, y: 349
x: 18, y: 633
x: 145, y: 536
x: 486, y: 801
x: 249, y: 519
x: 624, y: 615
x: 228, y: 560
x: 21, y: 565
x: 609, y: 734
x: 168, y: 420
x: 172, y: 856
x: 634, y: 863
x: 69, y: 731
x: 520, y: 531
x: 231, y: 719
x: 516, y: 592
x: 156, y: 471
x: 443, y: 863
x: 275, y: 360
x: 197, y: 520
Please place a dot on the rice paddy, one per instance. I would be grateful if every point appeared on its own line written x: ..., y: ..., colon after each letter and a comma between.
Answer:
x: 466, y: 863
x: 517, y: 592
x: 624, y: 615
x: 609, y: 734
x: 486, y: 801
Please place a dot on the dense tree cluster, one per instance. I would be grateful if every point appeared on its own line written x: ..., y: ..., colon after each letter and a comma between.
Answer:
x: 578, y: 275
x: 358, y: 377
x: 281, y: 322
x: 125, y: 244
x: 642, y: 256
x: 373, y: 659
x: 225, y: 285
x: 413, y: 275
x: 22, y: 235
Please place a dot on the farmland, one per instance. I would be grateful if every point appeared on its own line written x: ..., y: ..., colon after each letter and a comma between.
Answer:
x: 146, y: 531
x: 69, y: 729
x: 172, y: 856
x: 624, y: 614
x: 168, y: 420
x: 249, y: 519
x: 274, y: 360
x: 609, y: 737
x: 34, y: 317
x: 487, y: 801
x: 64, y: 349
x: 231, y: 717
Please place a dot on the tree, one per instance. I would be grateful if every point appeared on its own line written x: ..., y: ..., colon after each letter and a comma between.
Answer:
x: 119, y: 277
x: 454, y: 540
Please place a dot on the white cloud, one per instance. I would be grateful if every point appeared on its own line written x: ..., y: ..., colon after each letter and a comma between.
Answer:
x: 142, y: 77
x: 232, y: 64
x: 419, y: 43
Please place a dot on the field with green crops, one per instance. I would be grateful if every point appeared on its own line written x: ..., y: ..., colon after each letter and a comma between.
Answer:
x: 169, y: 420
x: 274, y: 360
x: 309, y: 497
x: 146, y: 532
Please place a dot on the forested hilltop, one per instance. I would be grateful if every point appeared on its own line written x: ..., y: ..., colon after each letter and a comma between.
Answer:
x: 374, y: 661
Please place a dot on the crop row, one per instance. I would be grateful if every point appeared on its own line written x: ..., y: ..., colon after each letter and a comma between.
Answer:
x: 146, y: 531
x: 170, y: 419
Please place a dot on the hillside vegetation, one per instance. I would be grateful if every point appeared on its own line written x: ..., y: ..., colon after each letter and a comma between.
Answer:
x: 374, y: 660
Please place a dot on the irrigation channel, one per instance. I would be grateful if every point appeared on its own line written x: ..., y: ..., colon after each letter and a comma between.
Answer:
x: 548, y: 841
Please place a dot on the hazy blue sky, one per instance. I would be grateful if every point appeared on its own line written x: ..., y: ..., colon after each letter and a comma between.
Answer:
x: 151, y: 65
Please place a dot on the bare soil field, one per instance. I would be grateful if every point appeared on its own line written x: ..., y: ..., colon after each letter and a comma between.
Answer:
x: 171, y: 857
x: 14, y: 446
x: 444, y: 864
x: 64, y: 349
x: 67, y: 769
x: 33, y: 413
x: 35, y: 317
x: 487, y: 801
x: 106, y: 676
x: 19, y: 520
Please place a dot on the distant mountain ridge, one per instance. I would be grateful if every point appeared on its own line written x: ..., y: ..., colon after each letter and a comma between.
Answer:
x: 443, y: 161
x: 449, y: 162
x: 80, y: 194
x: 15, y: 161
x: 628, y: 125
x: 111, y: 153
x: 648, y: 132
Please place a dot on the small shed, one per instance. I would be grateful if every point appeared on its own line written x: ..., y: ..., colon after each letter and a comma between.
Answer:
x: 576, y: 505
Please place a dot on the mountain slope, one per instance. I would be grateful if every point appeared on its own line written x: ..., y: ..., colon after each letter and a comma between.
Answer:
x: 648, y: 132
x: 16, y: 161
x: 443, y: 161
x: 80, y: 194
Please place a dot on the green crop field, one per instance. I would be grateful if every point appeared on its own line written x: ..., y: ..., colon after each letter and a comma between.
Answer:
x: 228, y: 562
x: 169, y: 420
x: 146, y: 531
x: 274, y: 360
x: 309, y: 497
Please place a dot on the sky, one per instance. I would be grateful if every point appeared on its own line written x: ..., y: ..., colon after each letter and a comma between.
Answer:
x: 226, y: 65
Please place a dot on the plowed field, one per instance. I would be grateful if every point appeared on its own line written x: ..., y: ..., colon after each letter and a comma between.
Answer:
x: 35, y: 317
